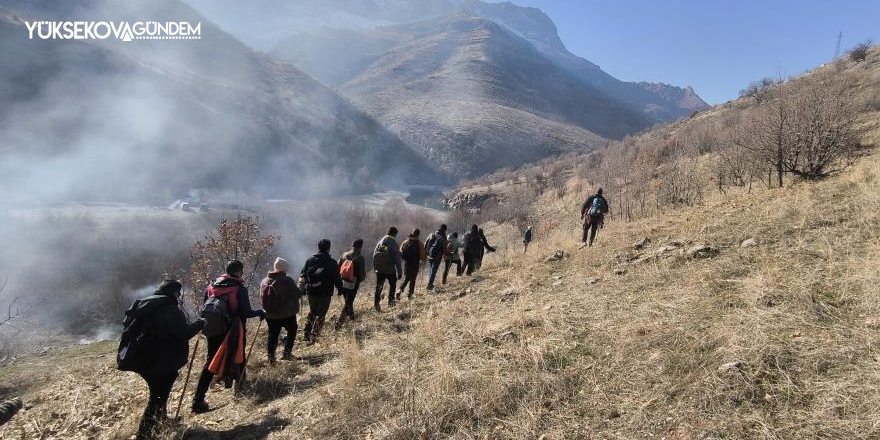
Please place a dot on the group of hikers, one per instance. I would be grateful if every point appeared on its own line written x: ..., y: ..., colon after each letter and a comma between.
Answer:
x: 155, y: 339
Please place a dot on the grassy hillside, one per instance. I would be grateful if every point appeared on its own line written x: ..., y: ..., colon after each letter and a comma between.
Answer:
x: 775, y: 340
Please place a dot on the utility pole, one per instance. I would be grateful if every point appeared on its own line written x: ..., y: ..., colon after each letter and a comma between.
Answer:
x: 837, y: 48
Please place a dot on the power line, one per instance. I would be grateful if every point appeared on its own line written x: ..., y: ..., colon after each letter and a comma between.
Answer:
x: 837, y: 48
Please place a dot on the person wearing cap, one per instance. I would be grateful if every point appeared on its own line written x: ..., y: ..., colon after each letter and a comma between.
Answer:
x: 162, y: 311
x: 282, y: 313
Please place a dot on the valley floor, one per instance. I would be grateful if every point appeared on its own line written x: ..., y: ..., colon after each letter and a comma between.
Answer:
x: 777, y: 339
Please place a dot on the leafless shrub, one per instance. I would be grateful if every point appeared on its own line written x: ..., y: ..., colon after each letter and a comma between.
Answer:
x: 680, y: 185
x: 860, y: 51
x: 760, y: 90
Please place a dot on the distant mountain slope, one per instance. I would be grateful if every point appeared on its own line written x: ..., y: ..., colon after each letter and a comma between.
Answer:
x: 662, y: 102
x: 472, y: 97
x: 107, y: 119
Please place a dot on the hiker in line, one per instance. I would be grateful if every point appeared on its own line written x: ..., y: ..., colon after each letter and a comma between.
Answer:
x: 353, y: 272
x: 484, y: 246
x: 527, y: 239
x: 321, y: 275
x: 226, y: 309
x: 388, y: 266
x: 593, y: 215
x: 452, y: 255
x: 413, y: 254
x: 164, y: 326
x: 280, y: 297
x: 435, y: 246
x: 472, y: 249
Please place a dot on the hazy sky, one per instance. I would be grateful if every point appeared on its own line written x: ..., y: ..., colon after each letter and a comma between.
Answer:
x: 716, y: 46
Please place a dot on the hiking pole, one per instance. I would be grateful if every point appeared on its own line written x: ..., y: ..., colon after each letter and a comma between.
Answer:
x: 186, y: 381
x: 250, y: 351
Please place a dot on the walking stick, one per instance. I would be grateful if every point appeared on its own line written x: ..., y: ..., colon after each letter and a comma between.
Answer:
x: 186, y: 381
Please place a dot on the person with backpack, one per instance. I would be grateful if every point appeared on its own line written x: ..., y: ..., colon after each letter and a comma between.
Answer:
x: 321, y: 276
x: 472, y: 250
x: 527, y: 239
x: 353, y: 272
x: 387, y: 262
x: 452, y: 255
x: 413, y: 254
x: 155, y: 344
x: 593, y: 215
x: 226, y: 309
x: 280, y: 298
x: 484, y: 246
x: 435, y: 246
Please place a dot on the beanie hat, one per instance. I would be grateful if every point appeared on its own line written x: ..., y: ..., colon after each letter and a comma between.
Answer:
x: 169, y: 288
x: 281, y: 265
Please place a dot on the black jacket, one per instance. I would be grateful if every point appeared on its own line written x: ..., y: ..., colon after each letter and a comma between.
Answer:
x: 175, y: 333
x: 325, y: 275
x: 473, y: 244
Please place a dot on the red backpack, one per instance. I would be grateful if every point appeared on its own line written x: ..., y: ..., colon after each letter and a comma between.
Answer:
x: 346, y: 271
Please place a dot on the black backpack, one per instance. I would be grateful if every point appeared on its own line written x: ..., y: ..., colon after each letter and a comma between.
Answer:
x: 217, y: 316
x: 319, y: 275
x: 435, y: 246
x: 140, y: 342
x: 411, y: 251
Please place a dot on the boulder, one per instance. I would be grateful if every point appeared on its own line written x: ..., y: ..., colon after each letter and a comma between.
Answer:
x: 731, y: 367
x: 702, y: 251
x: 557, y: 256
x: 749, y: 242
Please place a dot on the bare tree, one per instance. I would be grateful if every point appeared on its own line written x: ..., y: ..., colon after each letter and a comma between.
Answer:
x: 240, y: 239
x: 760, y: 90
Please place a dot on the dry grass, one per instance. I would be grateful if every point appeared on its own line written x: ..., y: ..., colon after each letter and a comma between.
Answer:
x: 532, y: 349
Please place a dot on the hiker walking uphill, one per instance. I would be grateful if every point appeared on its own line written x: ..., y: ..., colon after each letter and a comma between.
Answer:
x: 484, y: 246
x: 388, y: 266
x: 353, y: 272
x: 280, y: 297
x: 226, y: 309
x: 155, y: 344
x: 413, y: 254
x: 452, y: 255
x: 435, y: 246
x: 593, y: 215
x: 472, y: 250
x: 321, y: 276
x: 527, y: 239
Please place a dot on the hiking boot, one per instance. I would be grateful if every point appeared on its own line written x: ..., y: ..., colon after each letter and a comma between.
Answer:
x: 271, y: 359
x: 430, y: 287
x: 287, y: 356
x: 200, y: 406
x: 377, y: 307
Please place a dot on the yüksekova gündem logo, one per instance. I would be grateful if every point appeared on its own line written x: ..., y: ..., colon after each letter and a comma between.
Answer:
x: 125, y: 31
